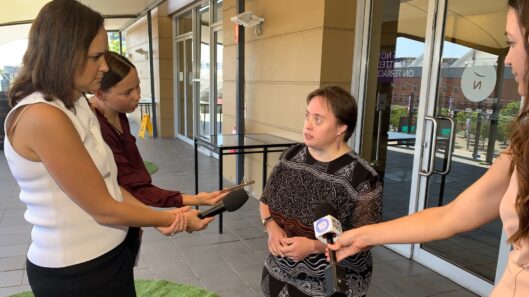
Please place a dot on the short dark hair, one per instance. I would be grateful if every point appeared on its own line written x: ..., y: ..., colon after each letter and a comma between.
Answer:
x: 118, y: 68
x: 341, y: 103
x: 59, y: 39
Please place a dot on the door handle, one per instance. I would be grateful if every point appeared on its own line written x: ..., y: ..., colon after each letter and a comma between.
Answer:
x: 449, y: 147
x: 433, y: 148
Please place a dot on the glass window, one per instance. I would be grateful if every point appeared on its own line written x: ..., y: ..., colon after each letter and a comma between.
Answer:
x: 184, y: 24
x: 11, y: 52
x: 391, y: 112
x: 217, y: 15
x: 114, y: 42
x: 204, y: 72
x: 219, y: 47
x: 472, y: 61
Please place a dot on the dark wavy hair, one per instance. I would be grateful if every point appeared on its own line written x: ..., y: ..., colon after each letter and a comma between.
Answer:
x: 519, y: 138
x: 118, y: 68
x: 58, y: 42
x: 342, y: 105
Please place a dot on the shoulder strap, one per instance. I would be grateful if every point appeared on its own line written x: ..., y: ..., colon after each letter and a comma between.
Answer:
x: 18, y: 113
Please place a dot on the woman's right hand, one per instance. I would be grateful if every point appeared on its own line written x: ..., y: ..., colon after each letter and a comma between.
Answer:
x: 275, y: 235
x: 194, y: 223
x: 349, y: 243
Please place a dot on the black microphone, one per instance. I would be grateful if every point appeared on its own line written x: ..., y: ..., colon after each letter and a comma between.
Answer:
x: 328, y: 227
x: 233, y: 201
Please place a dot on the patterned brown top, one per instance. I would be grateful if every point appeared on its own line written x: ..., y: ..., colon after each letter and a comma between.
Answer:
x: 296, y: 186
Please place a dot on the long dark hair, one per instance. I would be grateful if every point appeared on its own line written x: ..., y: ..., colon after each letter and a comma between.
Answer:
x: 58, y: 43
x: 118, y: 68
x: 519, y: 140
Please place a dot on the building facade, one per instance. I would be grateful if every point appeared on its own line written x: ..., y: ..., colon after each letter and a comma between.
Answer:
x: 434, y: 95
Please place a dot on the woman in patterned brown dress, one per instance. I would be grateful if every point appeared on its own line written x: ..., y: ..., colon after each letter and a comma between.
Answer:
x: 324, y: 168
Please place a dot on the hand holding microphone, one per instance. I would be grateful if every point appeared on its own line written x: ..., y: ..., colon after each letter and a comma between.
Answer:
x: 197, y: 221
x: 351, y: 242
x: 327, y: 228
x: 194, y: 223
x: 233, y: 201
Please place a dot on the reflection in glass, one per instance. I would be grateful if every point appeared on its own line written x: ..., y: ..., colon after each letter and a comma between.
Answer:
x: 181, y: 86
x: 218, y: 10
x: 391, y: 111
x: 188, y: 89
x: 11, y: 54
x: 478, y: 92
x: 219, y: 48
x: 204, y: 73
x: 473, y: 89
x: 184, y: 24
x: 185, y: 88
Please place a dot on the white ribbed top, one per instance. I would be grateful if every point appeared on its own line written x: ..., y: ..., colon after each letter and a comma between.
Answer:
x: 64, y: 234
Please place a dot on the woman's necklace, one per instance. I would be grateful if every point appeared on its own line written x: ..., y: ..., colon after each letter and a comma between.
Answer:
x: 117, y: 127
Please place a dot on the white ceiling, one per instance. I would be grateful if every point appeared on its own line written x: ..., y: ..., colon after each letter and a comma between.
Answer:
x: 474, y: 23
x: 23, y: 11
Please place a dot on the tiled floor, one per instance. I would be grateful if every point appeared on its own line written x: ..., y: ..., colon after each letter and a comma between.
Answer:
x: 229, y: 263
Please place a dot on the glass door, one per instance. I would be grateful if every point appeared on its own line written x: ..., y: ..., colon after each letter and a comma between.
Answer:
x: 217, y: 78
x: 198, y: 68
x: 390, y: 98
x: 435, y: 101
x: 473, y: 99
x: 184, y: 86
x: 209, y: 68
x: 217, y: 54
x: 184, y: 105
x: 203, y: 72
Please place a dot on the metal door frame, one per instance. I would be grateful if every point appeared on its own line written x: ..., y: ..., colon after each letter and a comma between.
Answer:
x: 183, y: 38
x: 432, y: 57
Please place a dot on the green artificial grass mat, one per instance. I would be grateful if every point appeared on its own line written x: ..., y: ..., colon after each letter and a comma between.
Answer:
x: 151, y: 167
x: 157, y: 288
x: 163, y: 288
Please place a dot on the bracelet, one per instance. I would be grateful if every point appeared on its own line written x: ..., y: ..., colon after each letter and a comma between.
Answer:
x: 267, y: 220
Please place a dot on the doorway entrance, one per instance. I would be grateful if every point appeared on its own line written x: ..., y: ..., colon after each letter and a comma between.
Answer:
x: 198, y: 71
x: 436, y: 101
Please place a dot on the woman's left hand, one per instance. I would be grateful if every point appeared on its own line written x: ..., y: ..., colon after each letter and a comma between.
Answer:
x: 297, y: 248
x: 179, y: 224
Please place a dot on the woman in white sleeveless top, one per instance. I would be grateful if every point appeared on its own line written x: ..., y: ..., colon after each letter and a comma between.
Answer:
x: 502, y: 192
x: 81, y: 241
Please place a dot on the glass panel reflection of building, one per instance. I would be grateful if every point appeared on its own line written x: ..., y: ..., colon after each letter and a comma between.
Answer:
x: 452, y: 102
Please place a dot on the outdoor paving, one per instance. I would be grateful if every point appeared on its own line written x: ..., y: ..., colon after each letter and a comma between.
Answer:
x: 229, y: 263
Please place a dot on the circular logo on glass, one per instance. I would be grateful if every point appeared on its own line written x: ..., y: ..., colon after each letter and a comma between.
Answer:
x: 478, y: 82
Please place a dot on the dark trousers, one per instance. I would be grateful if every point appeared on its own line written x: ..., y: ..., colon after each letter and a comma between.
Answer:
x: 109, y: 275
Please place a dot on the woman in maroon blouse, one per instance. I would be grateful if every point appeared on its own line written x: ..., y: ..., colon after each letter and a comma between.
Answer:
x: 120, y: 93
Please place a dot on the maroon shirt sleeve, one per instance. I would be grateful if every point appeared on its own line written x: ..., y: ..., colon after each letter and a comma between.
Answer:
x: 132, y: 174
